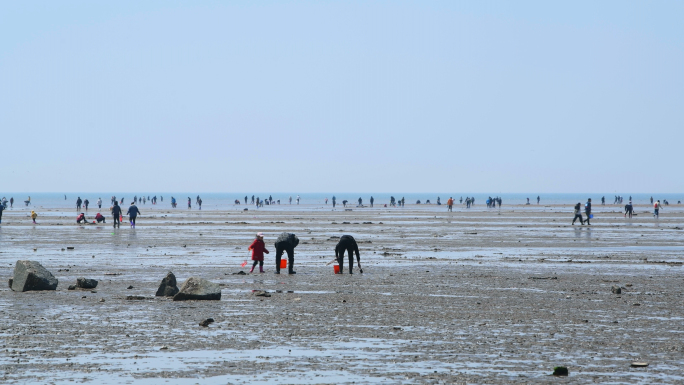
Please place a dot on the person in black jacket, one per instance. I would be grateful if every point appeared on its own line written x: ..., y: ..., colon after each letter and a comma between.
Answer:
x: 587, y: 211
x: 132, y: 213
x: 286, y: 242
x: 78, y: 204
x: 116, y: 213
x: 347, y: 242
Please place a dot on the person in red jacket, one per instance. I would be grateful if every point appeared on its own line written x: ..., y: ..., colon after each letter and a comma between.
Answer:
x: 81, y: 217
x: 258, y: 249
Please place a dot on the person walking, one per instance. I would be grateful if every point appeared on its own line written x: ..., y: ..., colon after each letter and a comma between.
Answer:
x: 258, y: 249
x: 371, y: 201
x: 286, y: 242
x: 199, y: 203
x: 132, y: 213
x: 86, y: 203
x: 360, y: 202
x: 116, y: 214
x: 348, y: 243
x: 11, y: 202
x: 297, y: 199
x: 78, y: 204
x: 656, y: 208
x: 587, y: 211
x: 578, y: 214
x: 334, y: 200
x: 450, y: 204
x: 34, y: 216
x: 99, y: 203
x: 2, y: 208
x: 189, y: 203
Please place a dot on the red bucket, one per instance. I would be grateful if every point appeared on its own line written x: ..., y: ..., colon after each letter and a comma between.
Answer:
x: 283, y: 263
x: 336, y: 268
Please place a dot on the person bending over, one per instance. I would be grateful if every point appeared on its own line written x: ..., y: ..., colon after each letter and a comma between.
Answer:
x: 286, y: 242
x: 347, y: 242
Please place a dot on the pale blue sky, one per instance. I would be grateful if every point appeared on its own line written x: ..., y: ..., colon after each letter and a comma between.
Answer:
x: 482, y: 96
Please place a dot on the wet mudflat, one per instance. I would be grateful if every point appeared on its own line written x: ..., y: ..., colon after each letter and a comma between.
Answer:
x: 478, y: 296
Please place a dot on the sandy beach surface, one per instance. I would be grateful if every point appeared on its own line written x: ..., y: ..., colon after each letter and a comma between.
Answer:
x: 475, y: 296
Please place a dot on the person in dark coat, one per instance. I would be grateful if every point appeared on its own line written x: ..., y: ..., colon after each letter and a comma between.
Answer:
x: 116, y: 213
x: 286, y: 242
x: 348, y: 243
x: 78, y: 204
x: 133, y: 213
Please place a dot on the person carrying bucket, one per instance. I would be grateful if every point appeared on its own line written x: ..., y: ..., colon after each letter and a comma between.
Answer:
x: 258, y: 249
x: 116, y: 214
x: 286, y: 242
x: 587, y: 211
x: 347, y: 242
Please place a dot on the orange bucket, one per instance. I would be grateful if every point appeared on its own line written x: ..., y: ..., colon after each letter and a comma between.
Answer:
x: 283, y: 263
x: 336, y: 268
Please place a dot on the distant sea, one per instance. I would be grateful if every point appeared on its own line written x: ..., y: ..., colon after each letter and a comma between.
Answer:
x: 219, y: 201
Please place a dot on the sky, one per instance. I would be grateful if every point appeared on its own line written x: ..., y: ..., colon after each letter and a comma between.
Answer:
x: 376, y: 96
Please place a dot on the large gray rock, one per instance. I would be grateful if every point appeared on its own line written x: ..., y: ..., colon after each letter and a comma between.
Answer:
x: 198, y: 289
x: 31, y: 275
x: 85, y: 283
x: 168, y: 287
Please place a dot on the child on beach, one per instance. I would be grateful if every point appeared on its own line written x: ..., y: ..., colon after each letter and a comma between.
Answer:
x: 34, y: 216
x: 578, y: 214
x: 258, y: 249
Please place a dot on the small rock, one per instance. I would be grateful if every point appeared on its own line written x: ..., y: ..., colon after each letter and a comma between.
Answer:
x: 10, y: 282
x: 195, y: 288
x: 129, y: 287
x: 71, y: 287
x: 560, y: 371
x: 206, y: 322
x: 636, y: 304
x: 616, y: 289
x: 85, y: 283
x: 261, y: 293
x: 168, y: 286
x: 93, y: 291
x: 164, y: 348
x: 102, y: 299
x: 240, y: 273
x: 135, y: 297
x: 639, y: 364
x: 70, y: 247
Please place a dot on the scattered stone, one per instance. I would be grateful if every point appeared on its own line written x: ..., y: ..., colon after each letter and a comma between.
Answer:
x: 129, y: 287
x: 542, y: 278
x: 168, y: 287
x: 560, y: 371
x: 71, y: 287
x: 195, y: 288
x: 31, y: 275
x: 85, y: 283
x: 135, y: 298
x: 70, y: 247
x: 93, y: 291
x: 10, y: 282
x: 102, y: 299
x: 261, y: 293
x: 639, y: 364
x: 164, y: 348
x: 240, y: 273
x: 206, y: 322
x: 616, y: 289
x: 636, y: 304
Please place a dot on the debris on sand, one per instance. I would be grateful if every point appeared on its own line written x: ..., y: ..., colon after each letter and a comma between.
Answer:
x: 31, y: 275
x: 639, y: 364
x: 195, y: 288
x: 261, y: 293
x: 616, y: 289
x: 85, y: 283
x: 135, y: 298
x: 206, y: 322
x: 240, y: 273
x: 168, y: 286
x: 560, y: 371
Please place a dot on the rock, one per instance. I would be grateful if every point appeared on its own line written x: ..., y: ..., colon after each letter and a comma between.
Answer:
x: 102, y: 299
x: 135, y: 297
x: 129, y: 287
x: 164, y: 348
x: 10, y: 282
x: 560, y: 371
x: 195, y: 288
x: 206, y: 322
x: 86, y: 283
x: 616, y: 289
x: 168, y: 287
x: 72, y: 287
x: 261, y: 293
x: 31, y: 275
x: 240, y: 273
x: 639, y: 364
